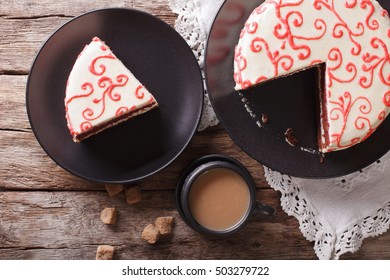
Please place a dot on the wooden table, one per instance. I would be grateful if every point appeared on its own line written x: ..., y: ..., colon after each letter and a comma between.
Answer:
x: 47, y: 213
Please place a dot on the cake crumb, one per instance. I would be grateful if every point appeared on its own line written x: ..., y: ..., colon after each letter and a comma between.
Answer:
x: 150, y: 234
x: 310, y: 150
x: 164, y: 225
x: 264, y: 118
x: 114, y: 189
x: 133, y: 195
x: 105, y: 252
x: 108, y: 216
x: 322, y: 158
x: 290, y: 137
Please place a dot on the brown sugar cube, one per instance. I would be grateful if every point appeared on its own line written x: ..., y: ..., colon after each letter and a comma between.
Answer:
x: 164, y: 225
x: 150, y: 234
x: 113, y: 189
x: 133, y: 195
x: 108, y: 216
x: 105, y: 252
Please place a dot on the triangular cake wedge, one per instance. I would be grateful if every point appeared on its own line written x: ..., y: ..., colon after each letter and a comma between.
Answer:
x: 349, y: 39
x: 101, y: 92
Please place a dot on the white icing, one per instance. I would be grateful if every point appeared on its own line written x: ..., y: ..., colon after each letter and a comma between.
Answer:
x: 353, y: 118
x: 121, y: 96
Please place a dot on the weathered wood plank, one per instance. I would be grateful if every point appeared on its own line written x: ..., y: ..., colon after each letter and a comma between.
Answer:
x: 21, y: 39
x: 61, y: 225
x: 24, y: 164
x: 66, y: 225
x: 13, y: 114
x: 39, y: 8
x: 26, y: 25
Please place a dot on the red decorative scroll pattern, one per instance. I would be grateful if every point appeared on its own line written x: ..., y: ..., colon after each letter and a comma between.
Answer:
x: 105, y: 83
x: 342, y: 26
x: 92, y: 67
x: 85, y: 126
x: 342, y: 109
x: 290, y: 18
x: 286, y: 61
x: 87, y: 86
x: 122, y: 110
x: 335, y: 55
x: 373, y: 62
x: 139, y: 92
x: 386, y: 98
x: 108, y: 85
x: 294, y: 18
x: 241, y: 65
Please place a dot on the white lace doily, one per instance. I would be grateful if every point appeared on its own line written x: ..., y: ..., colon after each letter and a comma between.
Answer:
x: 193, y: 25
x: 336, y: 214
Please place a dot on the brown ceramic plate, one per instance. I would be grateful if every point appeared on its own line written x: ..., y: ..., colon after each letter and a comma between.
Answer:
x: 158, y: 56
x: 288, y: 103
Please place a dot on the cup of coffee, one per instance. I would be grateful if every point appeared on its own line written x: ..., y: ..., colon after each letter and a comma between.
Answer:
x: 217, y: 195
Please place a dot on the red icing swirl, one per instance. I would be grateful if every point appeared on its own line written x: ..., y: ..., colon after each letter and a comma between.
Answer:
x: 286, y: 61
x: 386, y: 98
x: 87, y: 86
x: 121, y: 110
x: 108, y: 85
x: 335, y: 55
x: 370, y: 23
x: 342, y: 111
x: 139, y: 92
x: 375, y: 63
x: 85, y: 126
x: 92, y: 66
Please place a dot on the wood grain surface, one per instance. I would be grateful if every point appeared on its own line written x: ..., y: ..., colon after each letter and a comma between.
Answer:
x: 47, y: 213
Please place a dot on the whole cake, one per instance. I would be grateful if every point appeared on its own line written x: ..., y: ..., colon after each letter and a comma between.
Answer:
x: 102, y: 92
x: 348, y: 40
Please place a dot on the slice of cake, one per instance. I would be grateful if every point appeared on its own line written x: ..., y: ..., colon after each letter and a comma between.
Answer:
x: 348, y: 39
x: 101, y: 92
